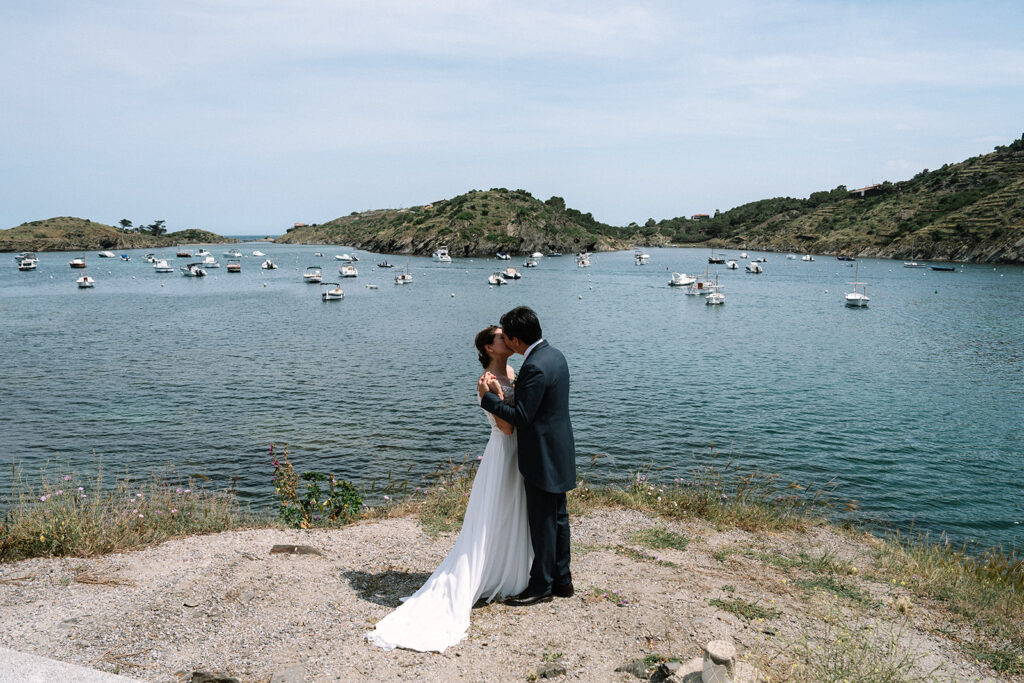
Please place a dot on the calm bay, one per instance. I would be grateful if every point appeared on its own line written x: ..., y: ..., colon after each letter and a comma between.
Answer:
x: 913, y: 405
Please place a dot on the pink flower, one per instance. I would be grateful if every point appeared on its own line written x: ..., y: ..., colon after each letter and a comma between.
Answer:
x: 141, y: 516
x: 80, y: 488
x: 43, y: 498
x: 67, y: 477
x: 387, y: 497
x: 188, y: 490
x: 179, y: 490
x: 59, y: 491
x: 84, y: 496
x: 173, y: 511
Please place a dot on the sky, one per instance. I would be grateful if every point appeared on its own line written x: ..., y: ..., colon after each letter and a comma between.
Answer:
x: 245, y: 116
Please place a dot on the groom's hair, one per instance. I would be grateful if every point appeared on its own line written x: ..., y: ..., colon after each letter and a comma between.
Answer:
x: 521, y: 323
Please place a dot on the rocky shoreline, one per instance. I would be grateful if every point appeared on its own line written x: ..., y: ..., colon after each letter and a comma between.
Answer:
x: 225, y: 603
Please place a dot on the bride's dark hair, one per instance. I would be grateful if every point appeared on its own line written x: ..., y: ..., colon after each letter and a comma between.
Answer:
x: 483, y: 338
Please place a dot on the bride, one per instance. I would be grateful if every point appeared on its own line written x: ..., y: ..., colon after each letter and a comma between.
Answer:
x: 491, y: 558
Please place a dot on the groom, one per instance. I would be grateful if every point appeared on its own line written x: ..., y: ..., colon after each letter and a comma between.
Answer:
x: 547, y: 451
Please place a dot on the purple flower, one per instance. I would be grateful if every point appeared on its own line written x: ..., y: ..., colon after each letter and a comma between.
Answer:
x: 387, y: 497
x: 80, y: 488
x: 179, y: 490
x: 67, y: 477
x: 43, y: 498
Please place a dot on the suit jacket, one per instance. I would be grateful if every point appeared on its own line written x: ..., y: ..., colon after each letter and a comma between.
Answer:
x: 547, y: 450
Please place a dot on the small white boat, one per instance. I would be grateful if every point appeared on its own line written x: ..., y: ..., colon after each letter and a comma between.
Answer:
x: 715, y: 296
x: 107, y: 254
x: 743, y: 255
x: 529, y: 263
x: 150, y: 258
x: 313, y: 275
x: 343, y: 257
x: 202, y: 253
x: 806, y: 257
x: 77, y: 262
x: 268, y: 265
x: 24, y: 255
x: 857, y: 299
x: 914, y: 264
x: 126, y: 257
x: 234, y: 265
x: 755, y: 268
x: 28, y: 264
x: 731, y: 264
x: 442, y: 255
x: 681, y: 280
x: 210, y: 262
x: 536, y: 254
x: 404, y: 278
x: 85, y: 282
x: 258, y: 253
x: 761, y: 259
x: 583, y: 260
x: 161, y: 266
x: 331, y: 291
x: 503, y: 255
x: 348, y: 270
x: 319, y: 254
x: 791, y: 257
x: 193, y: 270
x: 496, y: 279
x: 641, y: 259
x: 511, y: 273
x: 372, y: 287
x: 234, y: 253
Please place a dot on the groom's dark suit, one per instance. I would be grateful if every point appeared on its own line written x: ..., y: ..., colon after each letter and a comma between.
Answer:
x: 547, y: 459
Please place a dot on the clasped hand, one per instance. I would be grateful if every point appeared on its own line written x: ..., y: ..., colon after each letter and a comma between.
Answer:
x: 488, y: 382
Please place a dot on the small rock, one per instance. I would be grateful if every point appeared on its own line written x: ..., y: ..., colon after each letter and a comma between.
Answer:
x: 191, y: 602
x: 295, y: 550
x: 247, y: 596
x: 550, y: 670
x: 206, y: 677
x: 769, y: 630
x: 636, y: 667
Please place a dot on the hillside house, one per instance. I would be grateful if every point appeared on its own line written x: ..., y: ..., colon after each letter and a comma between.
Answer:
x: 700, y: 217
x: 869, y: 191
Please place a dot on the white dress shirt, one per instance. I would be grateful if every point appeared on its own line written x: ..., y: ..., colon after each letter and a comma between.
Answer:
x: 530, y: 348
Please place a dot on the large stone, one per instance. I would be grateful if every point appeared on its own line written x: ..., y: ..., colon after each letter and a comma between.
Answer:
x: 295, y: 550
x: 719, y: 662
x: 550, y: 670
x: 636, y: 667
x: 208, y: 677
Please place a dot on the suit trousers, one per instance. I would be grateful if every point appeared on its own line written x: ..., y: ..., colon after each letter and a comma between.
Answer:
x: 549, y: 535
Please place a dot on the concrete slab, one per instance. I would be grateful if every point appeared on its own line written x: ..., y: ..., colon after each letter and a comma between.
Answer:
x: 19, y: 667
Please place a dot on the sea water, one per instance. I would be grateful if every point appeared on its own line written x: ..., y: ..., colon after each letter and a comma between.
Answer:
x: 911, y: 406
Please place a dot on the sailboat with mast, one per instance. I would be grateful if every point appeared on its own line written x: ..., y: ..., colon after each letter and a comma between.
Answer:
x: 857, y: 299
x: 912, y: 263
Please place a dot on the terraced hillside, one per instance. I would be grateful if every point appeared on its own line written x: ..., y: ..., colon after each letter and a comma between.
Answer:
x: 475, y: 223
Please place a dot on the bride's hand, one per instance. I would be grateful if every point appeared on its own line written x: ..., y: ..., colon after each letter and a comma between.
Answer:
x: 494, y: 387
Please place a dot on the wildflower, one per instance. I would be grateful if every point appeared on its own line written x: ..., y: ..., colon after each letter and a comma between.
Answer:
x: 141, y: 516
x: 159, y: 512
x: 387, y: 497
x: 83, y: 496
x: 659, y: 499
x: 188, y: 490
x: 43, y: 498
x: 479, y: 457
x: 59, y: 491
x: 67, y: 477
x: 80, y: 488
x: 316, y: 518
x: 174, y: 511
x: 179, y: 490
x: 725, y: 497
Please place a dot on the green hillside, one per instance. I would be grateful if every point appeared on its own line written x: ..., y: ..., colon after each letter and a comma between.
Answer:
x: 476, y: 223
x: 67, y: 233
x: 969, y: 211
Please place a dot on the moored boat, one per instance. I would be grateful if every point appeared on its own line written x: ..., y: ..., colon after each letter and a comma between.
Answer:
x: 331, y: 291
x: 313, y: 275
x: 77, y: 262
x: 234, y: 265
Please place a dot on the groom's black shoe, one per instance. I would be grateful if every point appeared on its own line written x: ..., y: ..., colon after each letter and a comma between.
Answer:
x: 526, y: 598
x: 565, y: 591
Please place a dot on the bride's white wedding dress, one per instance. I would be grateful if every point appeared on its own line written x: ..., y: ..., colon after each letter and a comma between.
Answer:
x: 491, y: 558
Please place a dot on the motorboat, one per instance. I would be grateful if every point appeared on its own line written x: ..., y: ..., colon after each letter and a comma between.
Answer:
x: 949, y: 269
x: 24, y: 255
x: 234, y: 253
x: 699, y: 286
x: 496, y: 279
x: 715, y: 259
x: 806, y: 257
x: 28, y: 264
x: 85, y: 282
x: 372, y: 286
x: 530, y: 263
x: 202, y: 253
x: 536, y: 254
x: 150, y: 258
x: 755, y: 268
x: 731, y: 264
x: 503, y: 255
x: 348, y: 270
x: 313, y: 275
x: 743, y: 255
x: 258, y: 253
x: 331, y: 291
x: 385, y: 264
x: 268, y: 265
x: 193, y: 270
x: 210, y: 262
x: 404, y: 278
x: 511, y: 273
x: 354, y: 256
x: 344, y: 257
x: 844, y: 257
x: 184, y: 253
x: 790, y: 257
x: 234, y: 265
x: 761, y: 259
x: 442, y: 255
x: 715, y: 296
x: 161, y: 266
x: 107, y: 254
x: 77, y: 262
x: 857, y: 298
x: 554, y: 254
x: 641, y: 259
x: 681, y: 280
x: 583, y: 260
x: 126, y: 257
x: 319, y: 254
